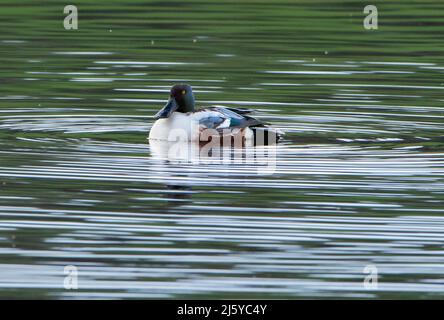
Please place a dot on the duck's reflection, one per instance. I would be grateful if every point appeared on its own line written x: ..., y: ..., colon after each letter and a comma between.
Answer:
x: 178, y: 193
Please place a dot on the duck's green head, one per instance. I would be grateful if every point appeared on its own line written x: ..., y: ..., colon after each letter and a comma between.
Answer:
x: 181, y: 100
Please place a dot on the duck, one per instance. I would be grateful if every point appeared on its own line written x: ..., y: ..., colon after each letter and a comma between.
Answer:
x: 180, y: 120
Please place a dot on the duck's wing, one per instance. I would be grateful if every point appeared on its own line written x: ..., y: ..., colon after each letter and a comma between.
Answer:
x: 238, y: 110
x: 220, y: 118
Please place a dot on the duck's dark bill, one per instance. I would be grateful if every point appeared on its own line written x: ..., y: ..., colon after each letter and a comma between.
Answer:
x: 166, y: 111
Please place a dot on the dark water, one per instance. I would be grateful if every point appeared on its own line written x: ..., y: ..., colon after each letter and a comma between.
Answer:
x: 357, y: 181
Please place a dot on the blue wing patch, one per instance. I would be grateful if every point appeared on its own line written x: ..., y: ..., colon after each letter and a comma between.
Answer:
x: 236, y: 119
x: 219, y: 116
x: 211, y: 122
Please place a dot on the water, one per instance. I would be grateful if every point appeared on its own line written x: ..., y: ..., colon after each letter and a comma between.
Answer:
x: 357, y: 181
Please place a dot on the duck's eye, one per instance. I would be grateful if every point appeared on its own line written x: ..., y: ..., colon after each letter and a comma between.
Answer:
x: 183, y: 92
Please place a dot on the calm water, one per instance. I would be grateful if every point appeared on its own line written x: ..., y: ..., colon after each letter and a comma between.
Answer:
x: 357, y: 181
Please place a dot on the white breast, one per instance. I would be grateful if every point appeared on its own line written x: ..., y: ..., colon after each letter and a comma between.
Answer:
x: 179, y: 126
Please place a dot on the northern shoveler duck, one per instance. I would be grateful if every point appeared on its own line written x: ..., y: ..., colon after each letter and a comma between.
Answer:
x: 178, y: 118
